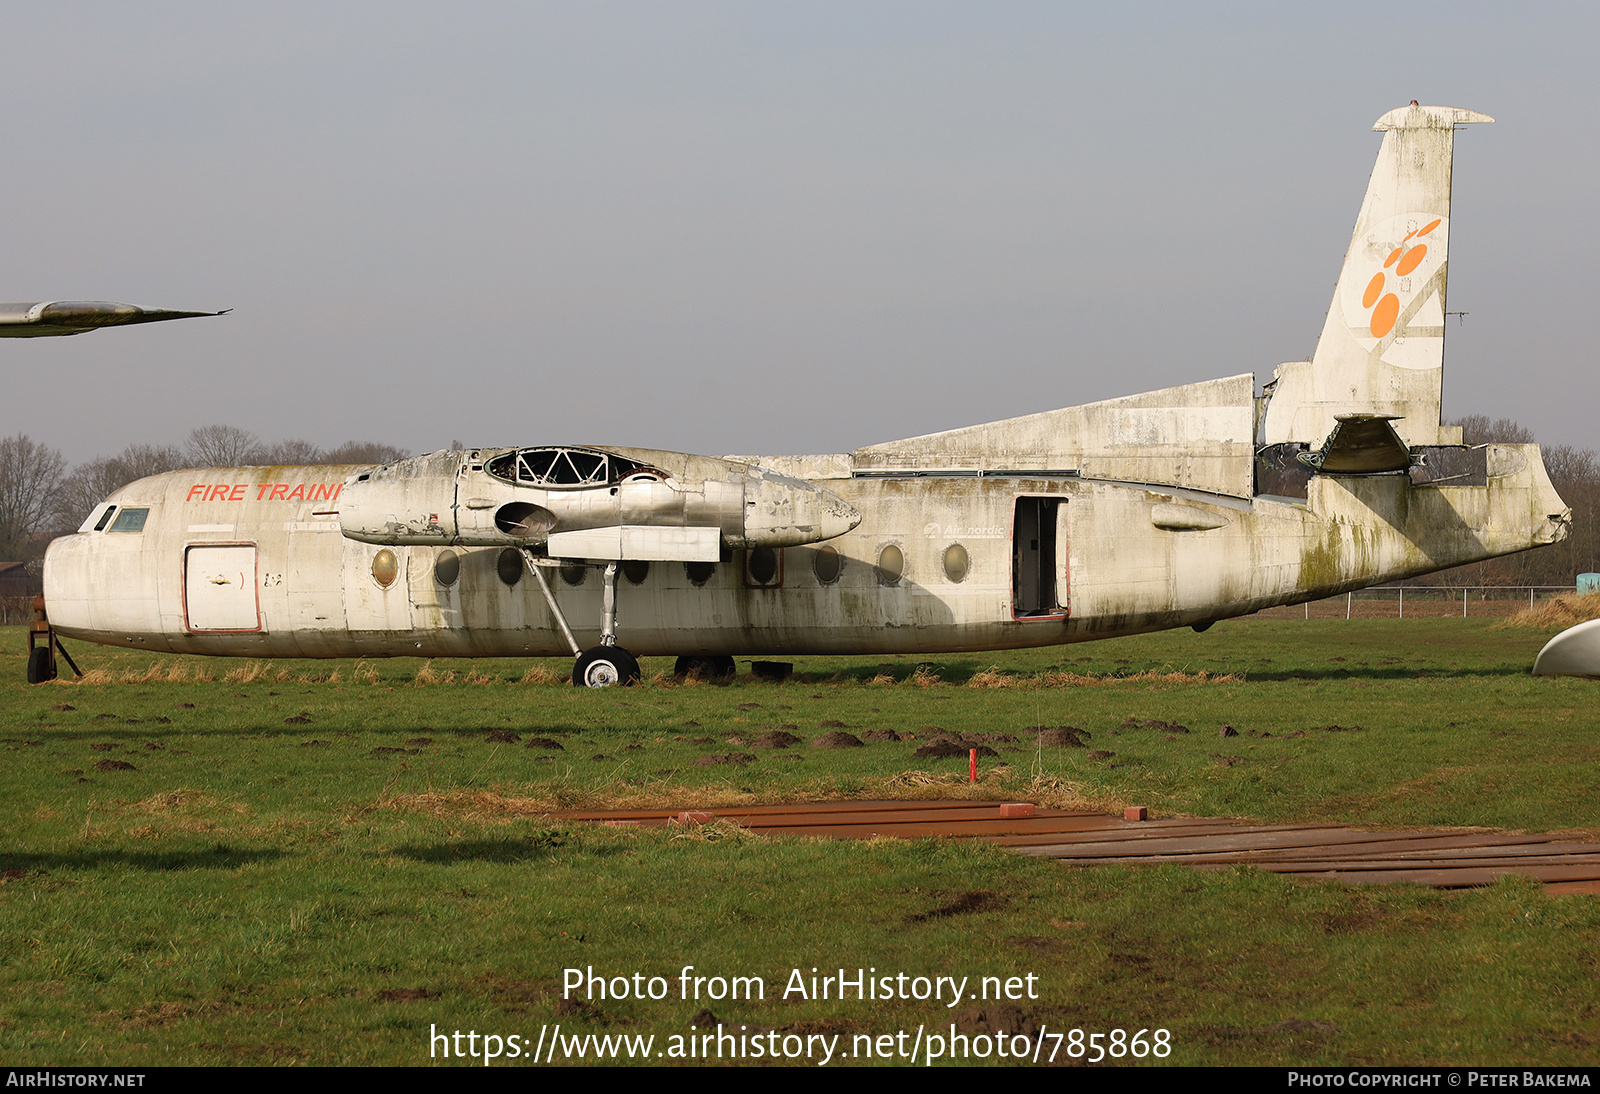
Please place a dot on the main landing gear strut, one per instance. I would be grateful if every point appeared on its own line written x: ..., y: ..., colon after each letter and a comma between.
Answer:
x: 608, y: 664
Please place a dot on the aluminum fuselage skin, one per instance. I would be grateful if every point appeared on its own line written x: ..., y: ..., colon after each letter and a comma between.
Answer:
x: 1128, y: 558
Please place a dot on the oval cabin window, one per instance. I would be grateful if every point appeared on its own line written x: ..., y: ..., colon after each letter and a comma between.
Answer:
x: 956, y: 563
x: 828, y: 564
x: 447, y: 568
x: 891, y: 564
x: 509, y: 566
x: 385, y: 567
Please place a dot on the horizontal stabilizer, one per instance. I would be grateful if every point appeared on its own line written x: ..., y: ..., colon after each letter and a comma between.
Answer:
x: 641, y: 542
x: 1360, y: 444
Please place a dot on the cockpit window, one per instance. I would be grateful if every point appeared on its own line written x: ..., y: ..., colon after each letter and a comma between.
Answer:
x: 130, y: 520
x: 105, y: 518
x: 560, y: 467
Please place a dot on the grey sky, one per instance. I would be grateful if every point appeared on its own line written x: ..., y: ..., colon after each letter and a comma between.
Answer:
x: 757, y: 227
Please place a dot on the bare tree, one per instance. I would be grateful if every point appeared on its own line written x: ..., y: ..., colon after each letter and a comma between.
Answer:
x: 364, y: 452
x: 223, y: 446
x: 293, y: 452
x: 29, y: 475
x: 1480, y: 429
x: 92, y: 482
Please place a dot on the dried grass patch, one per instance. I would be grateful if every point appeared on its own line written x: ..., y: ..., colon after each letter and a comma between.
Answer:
x: 1559, y: 613
x: 248, y: 673
x: 992, y: 677
x: 170, y: 800
x: 720, y: 830
x: 538, y: 675
x: 1010, y: 784
x: 179, y: 672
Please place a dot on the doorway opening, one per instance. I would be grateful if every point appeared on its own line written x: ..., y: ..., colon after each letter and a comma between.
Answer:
x: 1033, y: 559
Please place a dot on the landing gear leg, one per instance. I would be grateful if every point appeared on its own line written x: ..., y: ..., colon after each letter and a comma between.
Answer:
x: 608, y: 664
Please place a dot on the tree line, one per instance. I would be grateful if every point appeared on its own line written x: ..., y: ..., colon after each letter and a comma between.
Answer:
x: 40, y: 497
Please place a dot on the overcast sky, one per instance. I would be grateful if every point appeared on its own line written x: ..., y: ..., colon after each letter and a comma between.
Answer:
x: 757, y: 227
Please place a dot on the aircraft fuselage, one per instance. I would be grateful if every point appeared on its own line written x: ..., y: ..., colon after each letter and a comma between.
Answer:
x: 251, y: 562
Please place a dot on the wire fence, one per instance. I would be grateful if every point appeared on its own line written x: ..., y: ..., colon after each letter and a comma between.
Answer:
x: 1423, y: 602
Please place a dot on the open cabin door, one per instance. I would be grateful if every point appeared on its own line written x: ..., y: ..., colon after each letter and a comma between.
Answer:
x: 1038, y: 551
x: 219, y: 589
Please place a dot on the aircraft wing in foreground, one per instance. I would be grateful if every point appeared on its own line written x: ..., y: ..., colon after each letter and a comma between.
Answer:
x: 57, y: 318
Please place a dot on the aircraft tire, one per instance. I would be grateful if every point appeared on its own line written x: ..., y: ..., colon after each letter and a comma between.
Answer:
x: 39, y: 667
x: 707, y: 668
x: 605, y: 667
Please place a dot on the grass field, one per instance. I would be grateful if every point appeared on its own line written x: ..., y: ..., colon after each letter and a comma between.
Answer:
x: 319, y: 862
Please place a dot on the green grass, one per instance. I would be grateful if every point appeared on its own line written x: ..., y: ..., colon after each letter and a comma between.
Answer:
x: 245, y: 895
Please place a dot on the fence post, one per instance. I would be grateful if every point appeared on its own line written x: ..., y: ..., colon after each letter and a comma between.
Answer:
x: 1347, y: 598
x: 1402, y: 602
x: 1463, y: 602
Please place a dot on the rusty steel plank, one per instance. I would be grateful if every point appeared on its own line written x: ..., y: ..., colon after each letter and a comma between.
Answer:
x: 1140, y: 832
x: 1398, y: 847
x: 1563, y: 887
x: 1450, y: 879
x: 1307, y: 866
x: 1362, y: 852
x: 866, y: 829
x: 952, y: 818
x: 805, y: 808
x: 1335, y: 852
x: 1237, y: 840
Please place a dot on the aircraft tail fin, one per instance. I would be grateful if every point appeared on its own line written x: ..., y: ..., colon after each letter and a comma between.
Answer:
x: 1382, y: 346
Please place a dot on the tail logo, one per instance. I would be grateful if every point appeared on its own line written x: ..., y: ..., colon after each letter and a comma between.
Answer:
x: 1392, y: 288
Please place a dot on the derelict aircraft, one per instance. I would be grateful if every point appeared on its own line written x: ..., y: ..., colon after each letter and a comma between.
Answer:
x: 1172, y: 508
x: 61, y: 318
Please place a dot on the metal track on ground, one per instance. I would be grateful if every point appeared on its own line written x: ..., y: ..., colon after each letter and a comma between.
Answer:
x: 1446, y: 859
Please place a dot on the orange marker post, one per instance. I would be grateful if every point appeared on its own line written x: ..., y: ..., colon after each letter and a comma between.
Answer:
x: 972, y: 766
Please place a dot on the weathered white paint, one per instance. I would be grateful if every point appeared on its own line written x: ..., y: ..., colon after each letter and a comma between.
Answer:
x: 1382, y: 346
x: 1573, y: 652
x: 1157, y: 522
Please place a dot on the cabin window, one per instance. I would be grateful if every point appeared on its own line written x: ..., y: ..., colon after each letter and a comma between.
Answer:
x: 130, y: 520
x: 385, y: 567
x: 699, y: 572
x: 447, y: 568
x: 891, y: 565
x: 636, y: 570
x: 105, y: 518
x: 827, y: 563
x: 508, y: 566
x: 763, y: 567
x: 573, y: 573
x: 956, y: 563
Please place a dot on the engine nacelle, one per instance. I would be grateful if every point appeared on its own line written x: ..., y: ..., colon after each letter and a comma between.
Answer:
x: 589, y: 503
